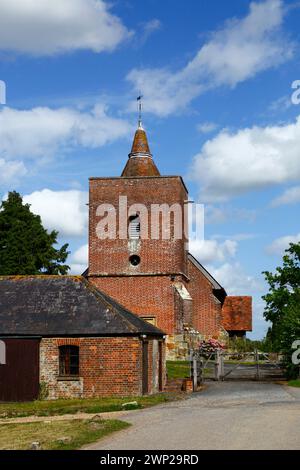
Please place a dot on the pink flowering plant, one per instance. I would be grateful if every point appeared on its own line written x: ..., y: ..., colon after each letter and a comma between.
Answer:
x: 210, y: 346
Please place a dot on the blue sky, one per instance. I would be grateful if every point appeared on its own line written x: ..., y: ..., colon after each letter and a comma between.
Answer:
x: 217, y: 83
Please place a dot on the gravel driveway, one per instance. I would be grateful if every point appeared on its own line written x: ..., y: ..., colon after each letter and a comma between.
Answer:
x: 226, y: 415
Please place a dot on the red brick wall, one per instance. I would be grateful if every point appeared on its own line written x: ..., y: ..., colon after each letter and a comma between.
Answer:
x: 108, y: 366
x: 144, y: 296
x: 157, y: 256
x: 206, y: 308
x: 148, y: 289
x: 183, y: 313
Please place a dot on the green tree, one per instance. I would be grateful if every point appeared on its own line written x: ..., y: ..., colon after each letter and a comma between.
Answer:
x: 283, y: 304
x: 289, y: 331
x: 25, y: 246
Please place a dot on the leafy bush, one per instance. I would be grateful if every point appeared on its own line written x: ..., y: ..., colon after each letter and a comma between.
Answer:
x: 242, y: 345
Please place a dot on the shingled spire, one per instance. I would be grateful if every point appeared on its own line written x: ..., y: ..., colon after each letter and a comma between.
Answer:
x: 140, y: 162
x: 140, y: 146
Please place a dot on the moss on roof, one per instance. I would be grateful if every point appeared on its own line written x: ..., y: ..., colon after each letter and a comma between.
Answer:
x: 63, y: 305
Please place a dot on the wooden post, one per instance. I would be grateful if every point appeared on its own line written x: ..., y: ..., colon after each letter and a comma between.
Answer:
x: 218, y: 365
x: 257, y: 364
x: 200, y: 376
x: 222, y: 366
x: 194, y: 373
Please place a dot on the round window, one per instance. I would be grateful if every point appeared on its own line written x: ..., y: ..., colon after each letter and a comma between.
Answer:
x: 134, y: 260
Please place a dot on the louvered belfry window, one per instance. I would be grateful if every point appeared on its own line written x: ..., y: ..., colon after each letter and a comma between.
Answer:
x: 134, y: 227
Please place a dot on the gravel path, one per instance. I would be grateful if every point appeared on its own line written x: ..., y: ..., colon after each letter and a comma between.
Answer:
x: 226, y: 415
x: 32, y: 419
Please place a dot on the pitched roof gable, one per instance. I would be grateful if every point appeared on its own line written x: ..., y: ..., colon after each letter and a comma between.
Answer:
x: 204, y: 271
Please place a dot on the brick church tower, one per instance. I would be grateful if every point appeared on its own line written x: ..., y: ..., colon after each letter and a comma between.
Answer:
x: 138, y: 255
x: 143, y: 262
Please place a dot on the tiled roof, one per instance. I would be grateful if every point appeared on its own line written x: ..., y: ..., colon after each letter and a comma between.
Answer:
x: 237, y: 313
x: 140, y: 143
x: 63, y: 306
x: 140, y: 162
x: 140, y: 166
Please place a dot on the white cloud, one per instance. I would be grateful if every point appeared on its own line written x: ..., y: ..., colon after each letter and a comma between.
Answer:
x: 219, y: 258
x: 11, y: 171
x: 281, y: 104
x: 237, y: 237
x: 48, y: 27
x: 79, y: 261
x: 40, y: 132
x: 290, y: 196
x: 259, y: 324
x: 65, y: 211
x: 206, y: 127
x: 233, y: 54
x: 207, y: 251
x: 77, y: 269
x: 164, y: 92
x: 234, y: 279
x: 278, y: 246
x: 251, y: 158
x: 150, y: 27
x: 222, y: 265
x: 226, y: 213
x: 81, y: 255
x: 215, y: 214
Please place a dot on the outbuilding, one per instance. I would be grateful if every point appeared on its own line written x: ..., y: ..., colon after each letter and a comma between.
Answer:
x: 62, y: 336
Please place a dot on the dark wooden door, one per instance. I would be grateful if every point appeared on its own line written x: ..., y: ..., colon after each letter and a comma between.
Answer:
x: 145, y: 368
x: 19, y: 377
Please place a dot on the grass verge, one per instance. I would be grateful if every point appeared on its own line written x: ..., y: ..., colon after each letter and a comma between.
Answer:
x: 57, y: 435
x: 294, y: 383
x: 178, y: 369
x: 93, y: 405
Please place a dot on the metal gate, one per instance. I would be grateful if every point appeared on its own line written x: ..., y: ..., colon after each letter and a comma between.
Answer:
x: 19, y: 375
x: 223, y: 365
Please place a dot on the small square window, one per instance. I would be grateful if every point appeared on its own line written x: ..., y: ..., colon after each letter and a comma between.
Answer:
x: 151, y: 320
x: 68, y: 360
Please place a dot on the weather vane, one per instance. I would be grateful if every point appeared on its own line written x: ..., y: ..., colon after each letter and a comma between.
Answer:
x: 139, y: 100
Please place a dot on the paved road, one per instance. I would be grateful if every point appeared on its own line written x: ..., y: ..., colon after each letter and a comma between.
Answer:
x: 227, y: 415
